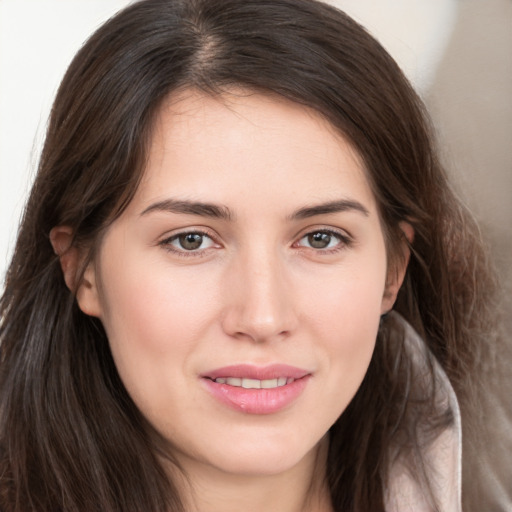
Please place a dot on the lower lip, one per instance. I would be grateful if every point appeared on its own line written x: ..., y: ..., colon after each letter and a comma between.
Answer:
x: 257, y: 401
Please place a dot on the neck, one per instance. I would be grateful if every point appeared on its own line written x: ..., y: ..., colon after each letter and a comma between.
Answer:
x: 302, y: 488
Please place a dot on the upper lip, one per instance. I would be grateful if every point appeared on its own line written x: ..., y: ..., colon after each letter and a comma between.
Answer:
x: 249, y: 371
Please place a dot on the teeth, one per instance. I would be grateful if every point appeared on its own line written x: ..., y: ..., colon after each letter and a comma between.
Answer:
x: 270, y: 383
x: 254, y: 383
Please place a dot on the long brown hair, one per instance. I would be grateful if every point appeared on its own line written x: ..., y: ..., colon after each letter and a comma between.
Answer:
x: 70, y: 436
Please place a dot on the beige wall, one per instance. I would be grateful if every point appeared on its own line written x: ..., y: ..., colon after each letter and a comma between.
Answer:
x: 471, y: 103
x: 470, y: 100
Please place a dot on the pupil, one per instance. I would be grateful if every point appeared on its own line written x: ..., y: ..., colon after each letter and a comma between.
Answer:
x: 319, y: 240
x: 191, y: 241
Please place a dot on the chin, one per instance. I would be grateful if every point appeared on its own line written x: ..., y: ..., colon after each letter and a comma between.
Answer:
x: 265, y: 457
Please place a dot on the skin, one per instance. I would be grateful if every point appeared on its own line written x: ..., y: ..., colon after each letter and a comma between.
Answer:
x: 255, y: 291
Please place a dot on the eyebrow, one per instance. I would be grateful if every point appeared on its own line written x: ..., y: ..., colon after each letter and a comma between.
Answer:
x: 190, y: 208
x: 341, y: 205
x: 224, y: 213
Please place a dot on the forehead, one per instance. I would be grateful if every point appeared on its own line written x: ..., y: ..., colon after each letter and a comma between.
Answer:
x: 243, y: 143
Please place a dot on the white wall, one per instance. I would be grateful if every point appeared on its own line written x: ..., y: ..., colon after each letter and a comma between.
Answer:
x: 38, y: 39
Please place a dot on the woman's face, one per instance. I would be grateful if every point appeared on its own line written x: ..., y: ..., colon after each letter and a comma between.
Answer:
x: 241, y: 289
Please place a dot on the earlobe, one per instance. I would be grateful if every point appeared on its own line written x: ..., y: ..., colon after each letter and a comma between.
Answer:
x: 83, y: 287
x: 396, y: 274
x: 87, y: 292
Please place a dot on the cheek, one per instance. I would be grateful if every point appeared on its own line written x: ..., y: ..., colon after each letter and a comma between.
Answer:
x: 346, y: 318
x: 155, y: 320
x: 350, y: 331
x: 148, y: 304
x: 348, y: 302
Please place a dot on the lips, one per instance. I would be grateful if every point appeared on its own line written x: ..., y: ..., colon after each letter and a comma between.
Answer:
x: 256, y: 390
x: 248, y: 371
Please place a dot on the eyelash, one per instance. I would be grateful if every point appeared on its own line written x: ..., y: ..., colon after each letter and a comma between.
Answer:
x: 344, y: 242
x: 184, y: 253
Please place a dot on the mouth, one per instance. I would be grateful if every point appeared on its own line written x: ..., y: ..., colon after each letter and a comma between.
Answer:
x: 256, y: 390
x: 248, y: 383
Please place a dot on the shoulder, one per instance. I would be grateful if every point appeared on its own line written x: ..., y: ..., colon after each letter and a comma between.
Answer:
x: 439, y: 460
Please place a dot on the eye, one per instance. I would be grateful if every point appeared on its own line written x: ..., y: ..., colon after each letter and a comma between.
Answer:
x: 191, y: 241
x: 323, y: 239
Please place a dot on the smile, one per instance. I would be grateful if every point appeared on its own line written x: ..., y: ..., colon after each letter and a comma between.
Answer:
x: 248, y: 383
x: 256, y: 390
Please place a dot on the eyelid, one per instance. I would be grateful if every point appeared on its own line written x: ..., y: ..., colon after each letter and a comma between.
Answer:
x: 346, y: 239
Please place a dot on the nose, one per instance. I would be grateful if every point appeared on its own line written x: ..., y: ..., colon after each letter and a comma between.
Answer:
x: 259, y: 299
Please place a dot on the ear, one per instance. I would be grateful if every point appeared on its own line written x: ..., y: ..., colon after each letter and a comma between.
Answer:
x: 85, y: 288
x: 396, y: 274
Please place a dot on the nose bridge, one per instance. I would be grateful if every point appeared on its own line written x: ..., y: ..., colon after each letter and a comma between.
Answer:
x: 261, y: 304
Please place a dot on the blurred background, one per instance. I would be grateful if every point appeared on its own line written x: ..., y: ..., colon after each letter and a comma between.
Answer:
x: 457, y: 53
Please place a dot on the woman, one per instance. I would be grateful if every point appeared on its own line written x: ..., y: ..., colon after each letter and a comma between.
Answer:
x: 231, y: 199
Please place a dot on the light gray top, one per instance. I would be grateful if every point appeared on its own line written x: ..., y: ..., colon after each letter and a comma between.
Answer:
x: 443, y: 457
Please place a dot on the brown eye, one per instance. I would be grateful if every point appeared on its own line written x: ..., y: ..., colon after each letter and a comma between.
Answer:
x: 319, y: 240
x: 324, y: 239
x: 190, y: 241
